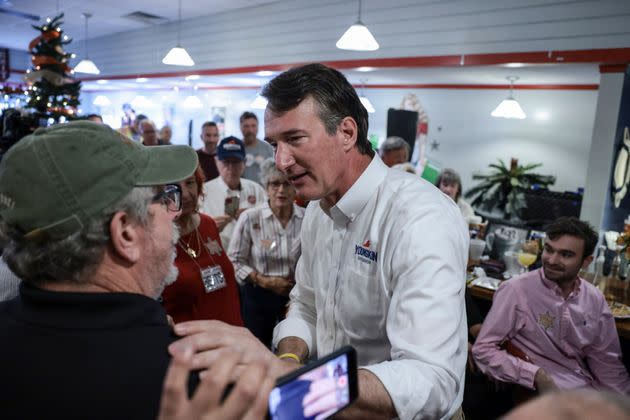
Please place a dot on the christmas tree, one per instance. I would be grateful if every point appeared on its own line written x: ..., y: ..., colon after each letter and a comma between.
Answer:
x: 52, y: 92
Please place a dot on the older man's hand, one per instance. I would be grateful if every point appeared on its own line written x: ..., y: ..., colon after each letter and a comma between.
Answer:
x: 210, y: 339
x: 247, y: 400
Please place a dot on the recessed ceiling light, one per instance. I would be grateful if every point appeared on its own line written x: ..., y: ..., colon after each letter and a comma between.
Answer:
x: 141, y: 79
x: 101, y: 81
x: 514, y: 65
x: 192, y: 77
x: 264, y: 73
x: 365, y: 68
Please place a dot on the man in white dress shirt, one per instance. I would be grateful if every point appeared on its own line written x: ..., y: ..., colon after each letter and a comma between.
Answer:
x: 383, y: 255
x: 226, y: 196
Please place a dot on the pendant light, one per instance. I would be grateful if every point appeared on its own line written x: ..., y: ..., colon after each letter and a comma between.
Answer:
x: 86, y: 65
x: 358, y: 37
x: 365, y: 101
x: 178, y: 56
x: 509, y: 108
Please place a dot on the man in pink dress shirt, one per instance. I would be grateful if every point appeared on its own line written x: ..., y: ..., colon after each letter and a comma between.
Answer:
x: 561, y: 322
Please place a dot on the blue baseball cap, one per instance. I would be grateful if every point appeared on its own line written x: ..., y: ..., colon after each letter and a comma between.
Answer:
x: 231, y: 147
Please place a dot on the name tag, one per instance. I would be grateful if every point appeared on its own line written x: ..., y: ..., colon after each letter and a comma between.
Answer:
x: 212, y: 278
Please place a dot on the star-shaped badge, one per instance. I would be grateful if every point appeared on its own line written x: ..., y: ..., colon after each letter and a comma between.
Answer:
x: 213, y: 247
x: 546, y: 320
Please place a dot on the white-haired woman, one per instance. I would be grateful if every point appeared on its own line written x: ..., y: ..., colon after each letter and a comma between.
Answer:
x: 265, y: 247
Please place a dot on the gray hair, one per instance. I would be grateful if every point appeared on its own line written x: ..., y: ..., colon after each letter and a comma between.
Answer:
x: 393, y: 143
x: 268, y: 170
x: 75, y: 257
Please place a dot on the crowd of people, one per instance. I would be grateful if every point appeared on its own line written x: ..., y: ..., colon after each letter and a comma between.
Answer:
x: 152, y: 279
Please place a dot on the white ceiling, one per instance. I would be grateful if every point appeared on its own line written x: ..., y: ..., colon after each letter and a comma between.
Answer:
x: 405, y: 28
x: 107, y: 16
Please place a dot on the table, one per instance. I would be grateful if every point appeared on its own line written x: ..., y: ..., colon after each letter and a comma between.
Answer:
x: 613, y: 289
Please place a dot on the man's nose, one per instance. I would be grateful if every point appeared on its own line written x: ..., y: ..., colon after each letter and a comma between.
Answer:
x: 284, y: 158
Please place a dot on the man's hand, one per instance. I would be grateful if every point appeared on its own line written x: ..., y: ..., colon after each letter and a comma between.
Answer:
x: 210, y: 339
x: 279, y: 285
x: 247, y: 400
x: 543, y: 382
x: 222, y: 221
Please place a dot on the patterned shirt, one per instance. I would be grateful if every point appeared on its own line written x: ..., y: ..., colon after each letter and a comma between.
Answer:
x: 260, y: 243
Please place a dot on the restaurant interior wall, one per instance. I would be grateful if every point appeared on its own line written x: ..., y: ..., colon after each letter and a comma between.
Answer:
x: 557, y: 132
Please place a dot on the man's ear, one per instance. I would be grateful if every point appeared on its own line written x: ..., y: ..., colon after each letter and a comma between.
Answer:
x: 349, y: 132
x: 587, y: 261
x: 126, y: 237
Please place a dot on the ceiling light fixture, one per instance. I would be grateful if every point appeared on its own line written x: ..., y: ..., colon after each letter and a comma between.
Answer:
x: 86, y: 65
x: 358, y: 37
x: 509, y: 108
x: 101, y: 100
x: 142, y: 80
x: 365, y: 101
x: 178, y: 56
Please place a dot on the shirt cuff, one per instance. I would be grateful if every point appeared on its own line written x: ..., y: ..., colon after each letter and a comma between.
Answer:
x: 527, y: 373
x: 295, y: 327
x: 242, y: 273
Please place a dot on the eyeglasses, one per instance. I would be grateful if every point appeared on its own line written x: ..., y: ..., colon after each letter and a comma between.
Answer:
x: 277, y: 184
x: 170, y: 196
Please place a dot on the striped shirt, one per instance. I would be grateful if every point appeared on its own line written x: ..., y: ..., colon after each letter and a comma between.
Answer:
x: 9, y: 282
x: 260, y: 243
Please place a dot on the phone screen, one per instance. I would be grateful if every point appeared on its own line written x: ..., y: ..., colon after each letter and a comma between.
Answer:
x: 318, y: 390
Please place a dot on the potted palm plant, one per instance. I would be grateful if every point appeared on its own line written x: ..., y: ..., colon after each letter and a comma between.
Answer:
x: 504, y: 188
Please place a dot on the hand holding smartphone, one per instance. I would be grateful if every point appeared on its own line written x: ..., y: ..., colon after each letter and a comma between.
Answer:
x: 318, y: 390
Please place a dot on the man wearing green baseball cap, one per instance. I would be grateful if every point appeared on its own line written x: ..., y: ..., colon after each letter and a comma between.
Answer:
x: 86, y: 220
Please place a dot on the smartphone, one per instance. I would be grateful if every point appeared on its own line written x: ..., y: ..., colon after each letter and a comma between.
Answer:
x: 318, y: 390
x: 231, y: 206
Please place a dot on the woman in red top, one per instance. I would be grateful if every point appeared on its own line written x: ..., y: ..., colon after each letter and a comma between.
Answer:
x: 205, y: 287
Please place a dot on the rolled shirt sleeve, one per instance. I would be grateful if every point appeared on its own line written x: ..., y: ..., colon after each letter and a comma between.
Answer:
x: 301, y: 319
x: 426, y: 320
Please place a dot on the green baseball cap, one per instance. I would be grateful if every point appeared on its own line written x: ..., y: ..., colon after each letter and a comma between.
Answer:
x: 55, y: 180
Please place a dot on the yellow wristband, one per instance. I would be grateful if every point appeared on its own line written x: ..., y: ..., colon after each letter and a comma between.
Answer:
x: 290, y: 356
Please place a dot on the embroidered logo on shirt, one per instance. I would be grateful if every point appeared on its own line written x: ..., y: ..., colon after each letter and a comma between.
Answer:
x: 546, y: 320
x: 213, y: 247
x: 364, y: 254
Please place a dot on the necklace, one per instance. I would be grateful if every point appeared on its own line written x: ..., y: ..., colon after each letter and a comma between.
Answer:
x: 192, y: 253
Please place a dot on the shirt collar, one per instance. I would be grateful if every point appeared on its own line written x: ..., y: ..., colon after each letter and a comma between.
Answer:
x: 353, y: 201
x: 552, y: 285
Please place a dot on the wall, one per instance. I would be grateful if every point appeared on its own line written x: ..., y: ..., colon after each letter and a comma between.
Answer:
x: 469, y: 138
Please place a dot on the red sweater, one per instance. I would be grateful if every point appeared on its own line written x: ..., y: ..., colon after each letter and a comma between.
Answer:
x: 186, y: 299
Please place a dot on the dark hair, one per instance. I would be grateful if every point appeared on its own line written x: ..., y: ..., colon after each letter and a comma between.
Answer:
x: 247, y: 115
x: 334, y: 95
x: 574, y: 227
x: 209, y: 124
x: 450, y: 177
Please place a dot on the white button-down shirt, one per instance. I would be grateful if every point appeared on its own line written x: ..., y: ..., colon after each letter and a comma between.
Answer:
x: 216, y: 191
x: 260, y: 243
x: 384, y: 271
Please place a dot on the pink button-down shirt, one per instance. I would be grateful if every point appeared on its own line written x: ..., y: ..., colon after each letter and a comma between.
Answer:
x: 574, y: 339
